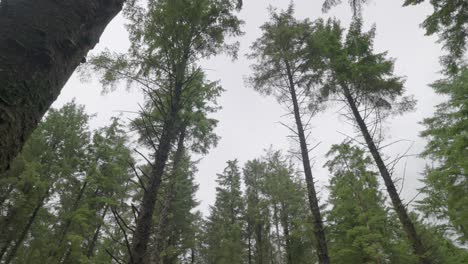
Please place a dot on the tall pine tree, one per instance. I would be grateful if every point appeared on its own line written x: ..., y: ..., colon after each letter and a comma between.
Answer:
x: 446, y: 194
x: 167, y: 40
x: 224, y: 227
x: 364, y: 81
x: 281, y: 70
x: 361, y: 229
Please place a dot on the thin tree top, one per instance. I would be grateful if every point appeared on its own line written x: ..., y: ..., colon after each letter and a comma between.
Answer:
x: 449, y: 20
x: 351, y: 62
x: 282, y: 46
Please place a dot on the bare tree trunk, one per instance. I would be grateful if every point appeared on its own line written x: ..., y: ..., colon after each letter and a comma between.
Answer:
x: 41, y: 44
x: 138, y: 253
x: 67, y: 224
x: 7, y: 236
x: 65, y: 258
x: 26, y: 229
x: 92, y: 244
x: 170, y: 258
x: 279, y: 257
x: 400, y: 209
x: 259, y: 242
x: 164, y: 214
x: 192, y: 255
x: 322, y: 249
x: 272, y: 258
x: 287, y: 237
x: 249, y: 244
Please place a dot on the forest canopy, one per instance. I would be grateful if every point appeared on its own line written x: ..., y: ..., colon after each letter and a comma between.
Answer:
x: 128, y: 189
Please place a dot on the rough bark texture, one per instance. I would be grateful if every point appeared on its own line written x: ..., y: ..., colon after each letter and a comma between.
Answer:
x: 322, y: 249
x: 41, y: 44
x: 164, y: 214
x: 400, y: 209
x: 145, y: 218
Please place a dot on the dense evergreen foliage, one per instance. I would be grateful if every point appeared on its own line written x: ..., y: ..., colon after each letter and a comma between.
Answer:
x: 449, y: 20
x: 60, y: 192
x: 125, y: 192
x: 446, y: 195
x: 362, y: 230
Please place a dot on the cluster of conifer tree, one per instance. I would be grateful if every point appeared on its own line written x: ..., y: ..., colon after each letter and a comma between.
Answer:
x: 125, y: 193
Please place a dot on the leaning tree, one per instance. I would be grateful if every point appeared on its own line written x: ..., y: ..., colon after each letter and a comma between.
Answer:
x: 364, y: 82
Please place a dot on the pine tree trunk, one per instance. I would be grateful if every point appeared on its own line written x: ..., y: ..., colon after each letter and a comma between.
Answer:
x: 26, y: 229
x: 169, y: 258
x: 322, y: 249
x: 287, y: 237
x: 279, y: 257
x: 66, y: 257
x: 145, y: 218
x: 164, y: 214
x: 68, y: 222
x: 398, y: 206
x: 92, y: 244
x: 249, y: 244
x: 7, y: 236
x: 259, y: 242
x: 41, y: 44
x: 192, y: 256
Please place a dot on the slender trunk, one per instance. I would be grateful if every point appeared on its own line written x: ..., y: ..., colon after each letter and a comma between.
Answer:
x: 145, y: 218
x: 322, y: 249
x: 164, y: 214
x: 41, y: 44
x: 92, y: 244
x: 272, y: 257
x: 400, y: 209
x: 278, y: 239
x: 258, y: 228
x: 192, y: 259
x: 66, y: 257
x: 259, y: 242
x: 53, y: 253
x: 26, y: 229
x: 75, y: 206
x: 170, y: 258
x: 287, y: 238
x: 7, y: 235
x: 249, y: 242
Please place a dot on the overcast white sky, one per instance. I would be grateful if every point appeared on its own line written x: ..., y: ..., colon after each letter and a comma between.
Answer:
x: 248, y: 122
